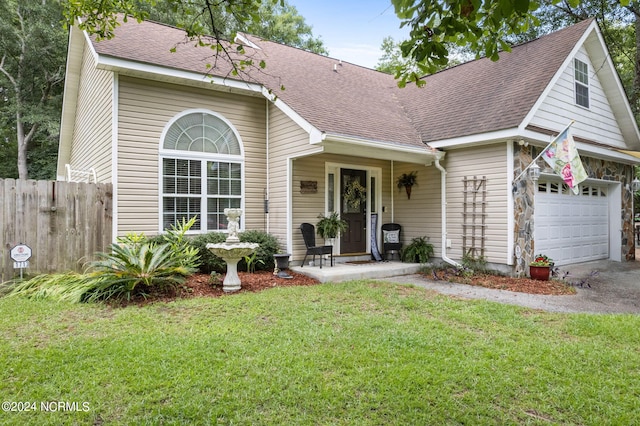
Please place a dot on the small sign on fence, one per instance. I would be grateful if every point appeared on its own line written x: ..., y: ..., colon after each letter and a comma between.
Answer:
x: 20, y: 255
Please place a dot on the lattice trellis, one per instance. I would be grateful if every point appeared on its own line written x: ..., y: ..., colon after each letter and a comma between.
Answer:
x: 474, y: 216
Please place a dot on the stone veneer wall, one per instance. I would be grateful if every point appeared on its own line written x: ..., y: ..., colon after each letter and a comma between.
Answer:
x: 523, y: 198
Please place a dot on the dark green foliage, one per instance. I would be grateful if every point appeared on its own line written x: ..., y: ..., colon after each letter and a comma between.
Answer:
x: 181, y: 245
x: 264, y: 254
x: 208, y: 261
x: 32, y: 61
x: 330, y: 226
x: 420, y: 250
x: 129, y: 269
x: 133, y: 269
x: 134, y: 266
x: 475, y: 263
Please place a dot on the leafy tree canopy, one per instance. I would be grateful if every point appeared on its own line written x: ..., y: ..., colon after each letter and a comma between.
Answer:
x: 32, y: 57
x: 392, y: 58
x: 275, y: 20
x: 484, y: 26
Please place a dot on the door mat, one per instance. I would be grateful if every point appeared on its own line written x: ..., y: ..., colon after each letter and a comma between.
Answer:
x: 360, y: 262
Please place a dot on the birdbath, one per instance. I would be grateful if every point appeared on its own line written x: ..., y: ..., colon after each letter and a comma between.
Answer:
x: 232, y: 250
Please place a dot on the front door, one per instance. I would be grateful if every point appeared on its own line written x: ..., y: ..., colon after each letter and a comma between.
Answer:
x: 353, y: 203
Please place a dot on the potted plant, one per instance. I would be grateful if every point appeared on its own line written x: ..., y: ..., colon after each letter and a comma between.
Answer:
x: 540, y: 268
x: 420, y: 250
x: 406, y: 181
x: 329, y: 227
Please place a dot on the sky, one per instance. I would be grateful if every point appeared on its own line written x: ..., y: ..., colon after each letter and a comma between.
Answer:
x: 352, y: 30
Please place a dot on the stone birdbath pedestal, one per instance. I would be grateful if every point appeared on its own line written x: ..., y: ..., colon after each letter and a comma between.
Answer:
x: 231, y: 251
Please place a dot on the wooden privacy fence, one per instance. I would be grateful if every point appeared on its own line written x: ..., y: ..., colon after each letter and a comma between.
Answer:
x: 64, y: 223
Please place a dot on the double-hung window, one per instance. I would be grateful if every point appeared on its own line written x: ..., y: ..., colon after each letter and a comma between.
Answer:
x: 201, y: 165
x: 581, y: 74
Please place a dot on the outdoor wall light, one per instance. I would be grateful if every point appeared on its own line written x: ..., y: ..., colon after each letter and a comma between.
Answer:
x: 635, y: 185
x: 534, y: 172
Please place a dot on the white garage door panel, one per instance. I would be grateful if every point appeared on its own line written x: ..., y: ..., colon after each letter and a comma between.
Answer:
x: 571, y: 228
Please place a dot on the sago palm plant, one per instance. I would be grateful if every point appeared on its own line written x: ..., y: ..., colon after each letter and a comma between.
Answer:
x: 132, y: 269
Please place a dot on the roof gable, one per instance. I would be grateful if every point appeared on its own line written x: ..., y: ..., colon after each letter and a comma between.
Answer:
x: 340, y: 99
x: 484, y: 96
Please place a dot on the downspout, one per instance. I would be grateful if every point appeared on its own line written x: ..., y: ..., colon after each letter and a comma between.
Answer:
x: 443, y: 202
x: 268, y: 171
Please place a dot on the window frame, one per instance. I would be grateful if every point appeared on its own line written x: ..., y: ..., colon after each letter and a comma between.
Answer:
x: 581, y: 84
x: 204, y: 159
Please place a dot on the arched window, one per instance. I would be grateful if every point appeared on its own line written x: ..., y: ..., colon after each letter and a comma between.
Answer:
x: 202, y: 169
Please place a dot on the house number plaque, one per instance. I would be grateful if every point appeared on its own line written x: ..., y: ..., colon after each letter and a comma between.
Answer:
x: 308, y: 186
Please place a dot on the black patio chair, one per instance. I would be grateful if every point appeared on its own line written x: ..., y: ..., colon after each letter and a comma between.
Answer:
x: 391, y: 241
x: 309, y: 236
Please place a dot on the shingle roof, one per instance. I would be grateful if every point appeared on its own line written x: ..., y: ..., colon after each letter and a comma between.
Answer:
x: 483, y: 96
x: 476, y: 97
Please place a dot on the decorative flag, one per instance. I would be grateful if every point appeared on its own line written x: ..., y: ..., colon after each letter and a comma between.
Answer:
x: 562, y: 155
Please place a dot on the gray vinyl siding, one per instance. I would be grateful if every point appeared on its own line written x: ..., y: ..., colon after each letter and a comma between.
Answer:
x: 489, y: 161
x: 286, y: 140
x: 145, y: 108
x: 92, y: 135
x: 596, y: 123
x: 421, y: 215
x: 307, y: 207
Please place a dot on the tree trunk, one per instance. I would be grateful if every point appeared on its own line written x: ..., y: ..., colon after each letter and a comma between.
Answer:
x: 23, y: 173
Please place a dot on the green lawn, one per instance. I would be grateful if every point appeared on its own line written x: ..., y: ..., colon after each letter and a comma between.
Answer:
x: 356, y: 353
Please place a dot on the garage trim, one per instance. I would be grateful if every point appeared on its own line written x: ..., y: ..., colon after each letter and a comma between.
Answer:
x: 609, y: 190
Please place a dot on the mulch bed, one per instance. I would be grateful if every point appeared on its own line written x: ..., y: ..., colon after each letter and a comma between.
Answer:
x: 521, y: 285
x: 201, y: 285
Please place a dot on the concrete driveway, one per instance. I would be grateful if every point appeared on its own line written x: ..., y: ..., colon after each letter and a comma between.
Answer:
x: 611, y: 287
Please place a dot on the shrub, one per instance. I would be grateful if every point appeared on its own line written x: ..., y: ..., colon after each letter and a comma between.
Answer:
x: 208, y: 261
x: 181, y: 246
x: 474, y: 264
x: 132, y: 269
x: 264, y: 254
x: 419, y: 250
x: 129, y: 269
x: 134, y: 265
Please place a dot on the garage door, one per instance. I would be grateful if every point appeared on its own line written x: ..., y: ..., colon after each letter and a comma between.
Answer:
x: 571, y: 228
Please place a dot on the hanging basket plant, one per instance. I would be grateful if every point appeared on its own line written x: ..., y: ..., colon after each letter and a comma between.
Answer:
x: 406, y: 181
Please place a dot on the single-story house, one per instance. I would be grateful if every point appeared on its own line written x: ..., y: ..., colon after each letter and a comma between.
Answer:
x: 178, y: 135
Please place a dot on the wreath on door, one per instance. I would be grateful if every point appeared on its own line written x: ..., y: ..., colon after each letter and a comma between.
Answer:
x: 355, y: 194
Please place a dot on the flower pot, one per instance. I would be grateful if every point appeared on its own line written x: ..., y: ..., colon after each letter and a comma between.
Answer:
x: 539, y: 272
x: 282, y: 263
x: 282, y: 260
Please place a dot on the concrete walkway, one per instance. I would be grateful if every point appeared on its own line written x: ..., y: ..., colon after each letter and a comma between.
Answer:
x: 611, y: 287
x: 357, y: 271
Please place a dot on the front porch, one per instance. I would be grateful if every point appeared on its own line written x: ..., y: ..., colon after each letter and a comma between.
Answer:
x: 355, y: 271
